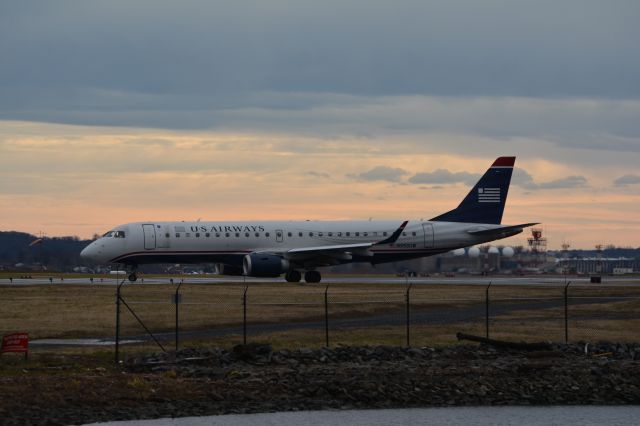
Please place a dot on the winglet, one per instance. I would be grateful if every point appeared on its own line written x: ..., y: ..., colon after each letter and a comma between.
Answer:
x: 394, y: 237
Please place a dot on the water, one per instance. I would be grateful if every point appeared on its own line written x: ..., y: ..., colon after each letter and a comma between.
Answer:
x: 476, y: 416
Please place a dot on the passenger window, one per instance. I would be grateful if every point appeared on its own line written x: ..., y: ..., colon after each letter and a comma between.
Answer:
x: 299, y: 234
x: 177, y: 235
x: 217, y: 235
x: 404, y: 234
x: 413, y: 233
x: 197, y: 235
x: 289, y: 234
x: 339, y: 234
x: 311, y: 234
x: 266, y: 234
x: 375, y: 234
x: 330, y: 234
x: 237, y: 234
x: 187, y: 235
x: 320, y: 234
x: 226, y: 234
x: 246, y: 234
x: 384, y: 234
x: 364, y: 234
x: 357, y: 234
x: 257, y: 234
x: 348, y: 234
x: 166, y: 235
x: 207, y: 235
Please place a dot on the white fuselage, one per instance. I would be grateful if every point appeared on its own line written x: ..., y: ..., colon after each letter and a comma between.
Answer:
x: 268, y: 249
x: 228, y: 242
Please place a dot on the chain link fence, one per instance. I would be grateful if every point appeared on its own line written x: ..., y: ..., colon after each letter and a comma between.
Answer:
x: 314, y: 315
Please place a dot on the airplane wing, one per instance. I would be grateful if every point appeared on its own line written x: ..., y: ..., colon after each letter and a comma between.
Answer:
x: 501, y: 230
x: 346, y: 247
x: 326, y: 255
x: 338, y: 247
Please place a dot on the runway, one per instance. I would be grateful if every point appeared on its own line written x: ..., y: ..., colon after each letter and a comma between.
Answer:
x: 341, y: 279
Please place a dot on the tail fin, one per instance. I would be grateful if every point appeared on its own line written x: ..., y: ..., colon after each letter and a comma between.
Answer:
x: 485, y: 203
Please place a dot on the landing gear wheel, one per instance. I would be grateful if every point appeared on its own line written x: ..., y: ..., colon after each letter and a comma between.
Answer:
x: 293, y: 276
x: 133, y: 277
x: 312, y: 276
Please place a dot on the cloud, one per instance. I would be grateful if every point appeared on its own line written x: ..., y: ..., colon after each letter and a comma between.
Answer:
x: 443, y: 176
x: 523, y: 179
x: 383, y: 173
x: 627, y: 180
x: 564, y: 183
x: 210, y: 64
x: 53, y: 174
x: 318, y: 174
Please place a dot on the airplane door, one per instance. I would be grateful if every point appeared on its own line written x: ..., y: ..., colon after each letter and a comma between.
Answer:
x: 279, y: 235
x: 162, y: 236
x: 428, y: 235
x: 149, y: 232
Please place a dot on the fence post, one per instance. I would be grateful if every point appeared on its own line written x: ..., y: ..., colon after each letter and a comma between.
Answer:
x: 566, y: 312
x: 176, y: 300
x: 326, y: 316
x: 486, y: 306
x: 244, y: 315
x: 117, y: 354
x: 407, y: 298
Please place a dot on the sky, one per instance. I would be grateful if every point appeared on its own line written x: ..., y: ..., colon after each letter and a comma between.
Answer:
x: 120, y: 111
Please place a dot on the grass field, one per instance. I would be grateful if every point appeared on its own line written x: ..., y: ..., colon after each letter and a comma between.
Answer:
x: 358, y: 313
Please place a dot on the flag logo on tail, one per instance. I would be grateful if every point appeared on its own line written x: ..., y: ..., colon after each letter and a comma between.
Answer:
x: 488, y: 195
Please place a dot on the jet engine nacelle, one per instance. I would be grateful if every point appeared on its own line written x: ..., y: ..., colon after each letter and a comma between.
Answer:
x: 223, y: 269
x: 264, y: 265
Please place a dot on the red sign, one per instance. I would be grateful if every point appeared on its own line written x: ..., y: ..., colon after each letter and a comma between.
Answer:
x: 16, y: 342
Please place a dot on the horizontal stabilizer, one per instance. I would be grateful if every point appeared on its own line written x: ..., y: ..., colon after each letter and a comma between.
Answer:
x: 501, y: 230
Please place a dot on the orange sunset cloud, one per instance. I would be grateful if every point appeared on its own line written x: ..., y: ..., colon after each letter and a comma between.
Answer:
x: 78, y: 180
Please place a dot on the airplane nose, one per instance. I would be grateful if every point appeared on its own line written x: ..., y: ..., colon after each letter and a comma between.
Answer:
x: 88, y: 252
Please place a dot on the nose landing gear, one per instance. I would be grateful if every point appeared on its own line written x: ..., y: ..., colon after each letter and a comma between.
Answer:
x: 133, y: 277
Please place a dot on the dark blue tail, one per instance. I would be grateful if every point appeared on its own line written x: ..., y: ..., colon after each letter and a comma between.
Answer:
x: 485, y: 203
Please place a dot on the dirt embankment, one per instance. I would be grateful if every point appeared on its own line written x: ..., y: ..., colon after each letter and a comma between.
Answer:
x: 256, y: 379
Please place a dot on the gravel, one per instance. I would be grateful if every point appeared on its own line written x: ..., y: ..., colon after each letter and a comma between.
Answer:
x: 255, y: 378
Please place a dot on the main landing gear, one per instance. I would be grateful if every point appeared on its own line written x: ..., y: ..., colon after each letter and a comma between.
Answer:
x: 312, y: 276
x: 294, y: 276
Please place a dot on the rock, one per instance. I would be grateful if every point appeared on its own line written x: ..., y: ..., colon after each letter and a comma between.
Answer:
x: 252, y: 351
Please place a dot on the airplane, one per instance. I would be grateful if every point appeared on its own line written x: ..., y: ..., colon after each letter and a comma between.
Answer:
x: 272, y: 248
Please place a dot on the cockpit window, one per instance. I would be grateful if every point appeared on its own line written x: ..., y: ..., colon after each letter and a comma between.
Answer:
x: 114, y: 234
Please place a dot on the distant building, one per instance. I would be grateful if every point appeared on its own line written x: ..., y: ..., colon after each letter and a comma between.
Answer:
x: 597, y: 265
